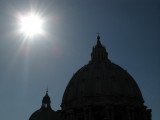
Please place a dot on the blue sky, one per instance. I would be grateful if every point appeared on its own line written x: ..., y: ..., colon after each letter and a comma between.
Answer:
x: 128, y: 28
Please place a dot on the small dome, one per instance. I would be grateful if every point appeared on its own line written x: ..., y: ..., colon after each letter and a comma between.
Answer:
x: 45, y: 112
x: 101, y: 82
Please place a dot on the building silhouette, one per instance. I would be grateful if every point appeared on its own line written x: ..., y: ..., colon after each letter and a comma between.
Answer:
x: 100, y: 90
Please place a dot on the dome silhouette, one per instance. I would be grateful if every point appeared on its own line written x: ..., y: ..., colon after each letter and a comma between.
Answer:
x: 100, y: 90
x: 101, y: 82
x: 45, y: 112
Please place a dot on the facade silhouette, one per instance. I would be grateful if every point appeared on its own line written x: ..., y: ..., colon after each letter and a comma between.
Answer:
x: 100, y: 90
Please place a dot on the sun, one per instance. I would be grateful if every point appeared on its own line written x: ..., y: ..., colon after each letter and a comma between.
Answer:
x: 30, y: 25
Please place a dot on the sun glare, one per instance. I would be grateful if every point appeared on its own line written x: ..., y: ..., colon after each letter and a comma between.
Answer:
x: 31, y: 25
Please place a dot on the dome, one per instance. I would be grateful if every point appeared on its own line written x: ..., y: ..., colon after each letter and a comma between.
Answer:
x: 101, y: 82
x: 45, y: 112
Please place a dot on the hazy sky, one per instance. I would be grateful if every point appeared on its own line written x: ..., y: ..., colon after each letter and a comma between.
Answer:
x: 130, y: 30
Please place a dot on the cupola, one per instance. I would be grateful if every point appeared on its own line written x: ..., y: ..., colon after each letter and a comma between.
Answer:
x: 46, y: 101
x: 99, y: 52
